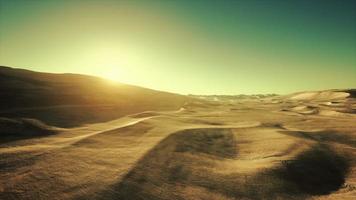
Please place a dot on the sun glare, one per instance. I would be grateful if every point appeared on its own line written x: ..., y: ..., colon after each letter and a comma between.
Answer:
x: 111, y: 74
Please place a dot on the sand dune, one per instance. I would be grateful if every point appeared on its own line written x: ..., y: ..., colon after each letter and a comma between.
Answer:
x: 71, y: 100
x: 320, y: 95
x: 22, y: 128
x: 275, y: 147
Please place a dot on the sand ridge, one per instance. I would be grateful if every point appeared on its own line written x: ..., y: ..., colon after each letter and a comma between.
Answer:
x: 254, y: 149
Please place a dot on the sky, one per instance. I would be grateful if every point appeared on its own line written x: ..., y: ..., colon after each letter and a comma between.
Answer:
x: 187, y: 47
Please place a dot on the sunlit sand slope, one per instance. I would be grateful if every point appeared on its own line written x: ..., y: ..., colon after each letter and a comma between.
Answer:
x: 268, y: 148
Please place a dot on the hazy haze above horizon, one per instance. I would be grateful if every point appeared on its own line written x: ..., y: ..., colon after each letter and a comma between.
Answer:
x: 198, y: 47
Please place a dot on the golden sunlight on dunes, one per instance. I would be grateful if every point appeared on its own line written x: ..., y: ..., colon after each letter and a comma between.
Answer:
x: 249, y: 149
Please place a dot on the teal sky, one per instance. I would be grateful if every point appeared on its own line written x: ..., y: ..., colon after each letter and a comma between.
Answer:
x: 196, y: 47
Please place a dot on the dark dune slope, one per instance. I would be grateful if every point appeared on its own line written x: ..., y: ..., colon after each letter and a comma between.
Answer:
x: 68, y: 100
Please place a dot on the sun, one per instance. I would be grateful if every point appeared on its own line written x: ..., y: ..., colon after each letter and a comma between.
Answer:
x: 113, y: 74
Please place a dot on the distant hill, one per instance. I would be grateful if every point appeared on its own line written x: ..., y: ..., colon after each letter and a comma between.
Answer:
x: 68, y: 100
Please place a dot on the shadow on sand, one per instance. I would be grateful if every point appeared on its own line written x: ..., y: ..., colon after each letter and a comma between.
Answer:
x: 184, y: 166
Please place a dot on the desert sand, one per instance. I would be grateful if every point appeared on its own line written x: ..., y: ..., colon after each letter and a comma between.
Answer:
x: 298, y: 146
